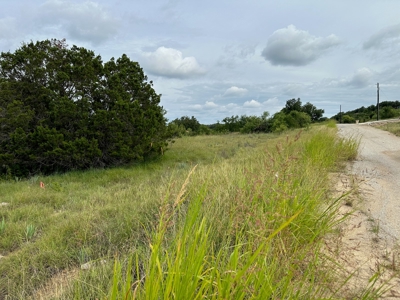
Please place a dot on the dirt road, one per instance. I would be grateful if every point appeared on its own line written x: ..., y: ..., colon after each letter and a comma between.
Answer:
x: 378, y: 163
x: 371, y: 233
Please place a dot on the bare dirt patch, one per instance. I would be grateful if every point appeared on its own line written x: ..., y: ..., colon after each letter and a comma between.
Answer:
x: 57, y: 285
x: 365, y: 252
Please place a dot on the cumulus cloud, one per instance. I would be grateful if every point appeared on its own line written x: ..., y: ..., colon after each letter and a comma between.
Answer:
x: 235, y: 91
x: 294, y: 47
x: 252, y: 104
x: 170, y: 62
x: 361, y: 78
x: 385, y: 36
x: 83, y: 21
x: 272, y: 101
x: 210, y: 105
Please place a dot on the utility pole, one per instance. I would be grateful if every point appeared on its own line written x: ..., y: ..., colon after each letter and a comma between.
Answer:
x: 377, y: 103
x: 340, y: 115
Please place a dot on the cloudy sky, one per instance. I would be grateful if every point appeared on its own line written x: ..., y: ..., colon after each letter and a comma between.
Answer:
x: 216, y: 58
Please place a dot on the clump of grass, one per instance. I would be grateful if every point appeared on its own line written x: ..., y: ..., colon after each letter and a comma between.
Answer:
x: 2, y: 226
x: 330, y: 123
x: 30, y: 232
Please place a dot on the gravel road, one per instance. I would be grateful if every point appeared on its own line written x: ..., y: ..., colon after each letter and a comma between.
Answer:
x: 378, y: 163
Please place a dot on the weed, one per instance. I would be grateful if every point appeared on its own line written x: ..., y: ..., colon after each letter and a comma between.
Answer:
x: 30, y: 232
x: 375, y: 228
x: 2, y: 226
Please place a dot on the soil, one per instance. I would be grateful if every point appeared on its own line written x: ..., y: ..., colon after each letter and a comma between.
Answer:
x: 369, y: 238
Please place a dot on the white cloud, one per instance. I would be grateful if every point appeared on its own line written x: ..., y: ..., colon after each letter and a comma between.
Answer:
x: 252, y: 103
x: 384, y: 37
x: 85, y: 21
x: 235, y: 91
x: 272, y: 105
x: 210, y: 105
x: 232, y: 105
x: 295, y: 47
x: 272, y: 101
x: 170, y: 62
x: 361, y: 78
x: 197, y: 107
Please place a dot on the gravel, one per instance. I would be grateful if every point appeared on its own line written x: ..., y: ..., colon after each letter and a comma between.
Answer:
x: 378, y: 165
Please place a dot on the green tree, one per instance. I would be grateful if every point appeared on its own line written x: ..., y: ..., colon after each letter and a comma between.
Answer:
x: 348, y: 119
x: 387, y: 112
x: 314, y: 113
x: 190, y: 124
x: 308, y: 108
x: 252, y: 123
x: 62, y: 108
x: 292, y: 104
x: 234, y: 123
x: 295, y: 119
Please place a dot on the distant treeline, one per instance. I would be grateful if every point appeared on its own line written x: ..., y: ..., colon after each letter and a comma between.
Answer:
x: 293, y: 115
x: 387, y: 110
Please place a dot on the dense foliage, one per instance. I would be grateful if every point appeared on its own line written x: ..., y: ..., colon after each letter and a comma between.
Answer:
x: 62, y: 108
x: 293, y: 115
x: 387, y: 110
x: 187, y: 126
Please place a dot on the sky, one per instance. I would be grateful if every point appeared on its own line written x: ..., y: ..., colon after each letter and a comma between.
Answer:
x: 213, y: 59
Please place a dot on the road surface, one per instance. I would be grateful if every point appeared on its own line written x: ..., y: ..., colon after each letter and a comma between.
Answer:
x: 378, y: 164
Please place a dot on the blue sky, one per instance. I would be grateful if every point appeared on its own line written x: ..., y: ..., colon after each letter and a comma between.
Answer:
x: 213, y: 59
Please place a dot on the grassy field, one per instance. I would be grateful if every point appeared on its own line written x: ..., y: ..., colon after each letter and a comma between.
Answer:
x: 393, y: 127
x: 217, y: 217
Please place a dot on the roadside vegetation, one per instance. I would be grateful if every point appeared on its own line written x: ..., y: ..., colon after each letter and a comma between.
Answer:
x: 219, y: 217
x: 293, y: 115
x: 387, y: 110
x: 391, y: 127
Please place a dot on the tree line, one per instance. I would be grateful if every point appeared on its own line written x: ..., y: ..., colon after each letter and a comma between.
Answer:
x: 293, y: 115
x: 387, y: 110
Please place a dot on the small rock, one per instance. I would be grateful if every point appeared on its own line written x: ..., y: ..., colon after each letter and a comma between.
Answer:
x: 4, y: 204
x: 87, y: 266
x: 90, y: 264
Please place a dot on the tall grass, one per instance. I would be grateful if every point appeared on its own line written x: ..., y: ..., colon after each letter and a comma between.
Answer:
x: 252, y: 229
x: 247, y: 222
x: 391, y: 127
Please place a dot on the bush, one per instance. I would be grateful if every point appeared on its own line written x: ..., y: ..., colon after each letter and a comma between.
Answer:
x: 61, y: 109
x: 387, y: 112
x: 348, y: 119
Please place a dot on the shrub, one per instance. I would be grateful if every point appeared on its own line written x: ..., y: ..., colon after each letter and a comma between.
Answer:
x: 62, y: 108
